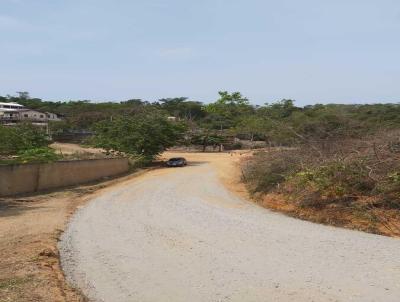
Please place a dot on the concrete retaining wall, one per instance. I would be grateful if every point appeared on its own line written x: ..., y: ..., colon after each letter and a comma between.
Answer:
x: 29, y: 178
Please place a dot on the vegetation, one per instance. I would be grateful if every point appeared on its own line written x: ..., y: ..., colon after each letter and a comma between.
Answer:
x: 349, y: 182
x: 21, y: 138
x: 279, y: 124
x: 24, y: 144
x: 335, y: 163
x: 38, y: 155
x: 141, y: 135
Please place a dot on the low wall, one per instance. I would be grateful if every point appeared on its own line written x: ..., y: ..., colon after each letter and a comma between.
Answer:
x: 29, y: 178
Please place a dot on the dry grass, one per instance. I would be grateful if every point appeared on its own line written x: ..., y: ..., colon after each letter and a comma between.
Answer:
x: 376, y: 221
x: 353, y: 183
x: 29, y: 264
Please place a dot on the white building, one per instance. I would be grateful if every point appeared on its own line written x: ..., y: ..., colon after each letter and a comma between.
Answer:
x: 12, y: 113
x: 4, y: 107
x: 35, y: 115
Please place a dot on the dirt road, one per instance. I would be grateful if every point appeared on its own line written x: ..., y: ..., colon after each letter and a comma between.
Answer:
x: 180, y: 235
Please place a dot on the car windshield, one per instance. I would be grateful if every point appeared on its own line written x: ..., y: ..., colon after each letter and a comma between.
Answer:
x: 176, y: 159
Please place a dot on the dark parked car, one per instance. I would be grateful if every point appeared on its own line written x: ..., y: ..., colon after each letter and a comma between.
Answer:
x: 176, y: 162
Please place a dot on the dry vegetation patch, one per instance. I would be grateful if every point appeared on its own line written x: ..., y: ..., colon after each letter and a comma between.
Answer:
x: 29, y: 264
x: 354, y: 183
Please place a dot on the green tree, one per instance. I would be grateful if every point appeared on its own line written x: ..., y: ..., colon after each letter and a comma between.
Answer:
x: 20, y: 138
x: 208, y: 138
x: 228, y: 109
x: 253, y: 125
x: 183, y: 108
x: 143, y: 134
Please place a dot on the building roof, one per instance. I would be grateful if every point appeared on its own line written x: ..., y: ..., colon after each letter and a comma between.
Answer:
x: 12, y: 104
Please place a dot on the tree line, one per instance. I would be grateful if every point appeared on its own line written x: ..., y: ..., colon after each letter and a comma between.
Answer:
x: 281, y: 123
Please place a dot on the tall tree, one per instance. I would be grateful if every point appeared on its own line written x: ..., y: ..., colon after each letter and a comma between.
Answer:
x: 229, y: 108
x: 142, y: 134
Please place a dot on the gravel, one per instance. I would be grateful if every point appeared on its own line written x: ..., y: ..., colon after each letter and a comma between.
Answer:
x: 179, y: 235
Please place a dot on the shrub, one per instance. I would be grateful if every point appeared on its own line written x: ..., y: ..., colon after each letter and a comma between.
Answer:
x: 21, y: 137
x: 267, y: 170
x: 330, y: 172
x: 38, y: 155
x: 237, y: 146
x: 143, y: 134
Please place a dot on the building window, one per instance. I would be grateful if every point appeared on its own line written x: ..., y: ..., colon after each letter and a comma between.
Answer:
x: 41, y: 116
x: 25, y: 115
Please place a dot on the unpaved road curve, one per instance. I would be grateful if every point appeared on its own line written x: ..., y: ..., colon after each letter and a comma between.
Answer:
x: 179, y: 235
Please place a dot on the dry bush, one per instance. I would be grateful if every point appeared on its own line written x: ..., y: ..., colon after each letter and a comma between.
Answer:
x: 342, y: 179
x: 265, y: 171
x: 83, y: 155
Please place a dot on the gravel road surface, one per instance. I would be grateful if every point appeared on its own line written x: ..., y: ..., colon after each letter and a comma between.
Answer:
x: 180, y: 235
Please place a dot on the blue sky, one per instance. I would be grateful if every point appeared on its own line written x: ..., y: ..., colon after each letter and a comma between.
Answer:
x: 342, y: 51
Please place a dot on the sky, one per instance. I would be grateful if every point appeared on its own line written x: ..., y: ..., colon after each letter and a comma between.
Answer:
x: 312, y: 51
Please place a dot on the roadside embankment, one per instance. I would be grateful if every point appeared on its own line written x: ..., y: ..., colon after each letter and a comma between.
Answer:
x: 352, y: 184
